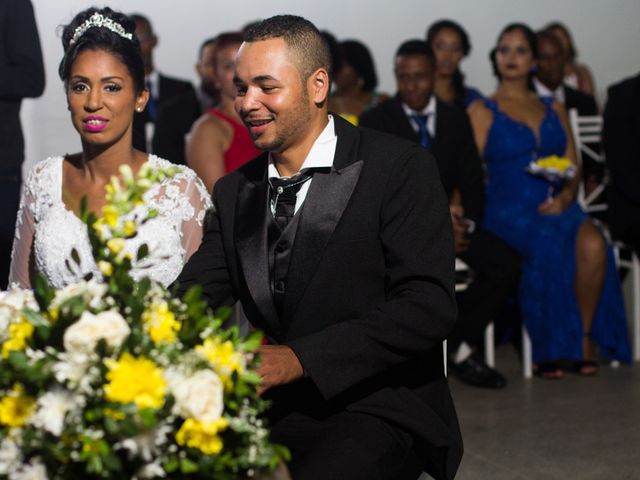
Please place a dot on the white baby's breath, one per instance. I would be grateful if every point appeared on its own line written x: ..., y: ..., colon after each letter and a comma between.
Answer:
x: 10, y: 456
x: 34, y: 470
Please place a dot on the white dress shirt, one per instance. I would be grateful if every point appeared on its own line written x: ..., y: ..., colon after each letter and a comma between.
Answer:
x: 543, y: 91
x: 429, y: 110
x: 320, y: 156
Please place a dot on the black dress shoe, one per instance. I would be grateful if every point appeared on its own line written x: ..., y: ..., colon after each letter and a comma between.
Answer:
x: 473, y: 371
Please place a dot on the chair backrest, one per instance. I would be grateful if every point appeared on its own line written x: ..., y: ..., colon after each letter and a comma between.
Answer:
x: 587, y: 133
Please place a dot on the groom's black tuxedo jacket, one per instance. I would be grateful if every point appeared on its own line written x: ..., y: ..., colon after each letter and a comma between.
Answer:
x: 453, y: 146
x: 369, y: 293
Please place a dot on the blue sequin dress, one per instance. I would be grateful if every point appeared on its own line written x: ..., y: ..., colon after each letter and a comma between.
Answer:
x: 546, y: 243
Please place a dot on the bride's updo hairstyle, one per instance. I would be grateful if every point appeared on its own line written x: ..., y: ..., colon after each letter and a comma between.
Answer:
x: 102, y: 29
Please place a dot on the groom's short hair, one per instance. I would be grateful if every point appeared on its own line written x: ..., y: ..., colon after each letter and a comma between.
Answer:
x: 305, y: 41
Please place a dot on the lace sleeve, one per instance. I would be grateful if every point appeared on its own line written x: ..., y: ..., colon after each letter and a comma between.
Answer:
x: 192, y: 228
x: 22, y: 256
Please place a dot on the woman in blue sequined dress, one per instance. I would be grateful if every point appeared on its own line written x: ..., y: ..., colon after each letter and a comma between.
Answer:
x: 570, y: 292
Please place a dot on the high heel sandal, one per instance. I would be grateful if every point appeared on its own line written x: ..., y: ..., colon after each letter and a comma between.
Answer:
x: 585, y: 367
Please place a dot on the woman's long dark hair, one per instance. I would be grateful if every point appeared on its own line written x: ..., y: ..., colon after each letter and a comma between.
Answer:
x: 458, y: 76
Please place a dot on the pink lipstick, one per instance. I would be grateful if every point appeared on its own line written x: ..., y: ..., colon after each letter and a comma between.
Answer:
x: 94, y: 123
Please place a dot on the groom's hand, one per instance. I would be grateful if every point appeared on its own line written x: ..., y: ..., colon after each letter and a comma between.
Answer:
x: 279, y: 366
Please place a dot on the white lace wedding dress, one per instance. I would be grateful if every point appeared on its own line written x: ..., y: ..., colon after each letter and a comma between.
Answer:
x: 47, y: 231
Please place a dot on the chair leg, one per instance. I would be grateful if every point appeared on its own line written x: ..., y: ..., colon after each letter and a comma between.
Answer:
x: 527, y: 362
x: 635, y: 271
x: 444, y: 357
x: 489, y: 346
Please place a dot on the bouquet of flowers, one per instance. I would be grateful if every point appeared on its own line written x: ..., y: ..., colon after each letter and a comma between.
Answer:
x: 113, y: 378
x: 554, y: 169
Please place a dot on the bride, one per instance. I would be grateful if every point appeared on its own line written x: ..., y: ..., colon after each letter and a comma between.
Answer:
x: 103, y: 75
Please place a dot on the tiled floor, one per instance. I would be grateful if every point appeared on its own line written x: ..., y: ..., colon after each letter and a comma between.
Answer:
x: 574, y: 428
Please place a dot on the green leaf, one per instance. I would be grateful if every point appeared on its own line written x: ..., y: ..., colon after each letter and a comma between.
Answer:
x: 42, y: 291
x: 143, y: 251
x: 252, y: 342
x: 172, y: 465
x: 187, y: 466
x: 18, y: 360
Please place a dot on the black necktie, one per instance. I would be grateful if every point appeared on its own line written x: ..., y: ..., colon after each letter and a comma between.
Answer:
x: 423, y: 131
x: 283, y: 193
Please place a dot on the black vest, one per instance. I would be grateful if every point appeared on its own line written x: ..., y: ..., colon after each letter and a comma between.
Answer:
x: 280, y: 243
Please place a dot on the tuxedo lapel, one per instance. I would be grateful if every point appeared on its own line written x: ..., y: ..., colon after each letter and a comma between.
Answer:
x: 324, y: 205
x: 251, y: 224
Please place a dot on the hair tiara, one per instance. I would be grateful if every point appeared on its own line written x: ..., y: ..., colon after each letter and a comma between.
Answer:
x: 97, y: 20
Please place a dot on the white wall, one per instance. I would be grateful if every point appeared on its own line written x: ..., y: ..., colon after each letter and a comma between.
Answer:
x: 605, y: 32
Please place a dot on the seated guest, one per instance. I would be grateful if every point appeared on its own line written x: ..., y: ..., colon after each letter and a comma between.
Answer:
x: 622, y: 148
x: 576, y: 75
x: 415, y: 114
x: 218, y: 142
x: 355, y: 82
x: 450, y: 44
x: 548, y: 83
x: 176, y: 116
x: 548, y: 79
x: 161, y: 87
x: 570, y: 292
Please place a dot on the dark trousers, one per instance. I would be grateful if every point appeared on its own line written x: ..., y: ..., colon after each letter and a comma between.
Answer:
x: 9, y: 203
x: 496, y: 268
x: 346, y: 445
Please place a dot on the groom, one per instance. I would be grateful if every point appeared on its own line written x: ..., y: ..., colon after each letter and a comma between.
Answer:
x: 337, y: 241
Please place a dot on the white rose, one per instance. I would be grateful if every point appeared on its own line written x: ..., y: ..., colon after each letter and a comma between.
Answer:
x: 10, y: 456
x: 51, y: 410
x: 199, y: 396
x: 83, y: 335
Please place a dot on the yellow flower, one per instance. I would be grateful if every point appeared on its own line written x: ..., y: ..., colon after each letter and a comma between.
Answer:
x: 100, y: 227
x: 222, y: 357
x: 161, y: 323
x: 105, y: 268
x: 136, y: 380
x: 19, y: 333
x: 202, y: 435
x: 554, y: 162
x: 111, y: 216
x: 129, y: 228
x: 54, y: 313
x: 16, y: 408
x: 115, y: 245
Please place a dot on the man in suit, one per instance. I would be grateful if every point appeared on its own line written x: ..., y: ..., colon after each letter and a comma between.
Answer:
x: 338, y: 243
x: 21, y: 76
x: 176, y: 116
x: 446, y: 132
x: 548, y: 82
x: 622, y: 148
x: 161, y: 87
x: 549, y: 77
